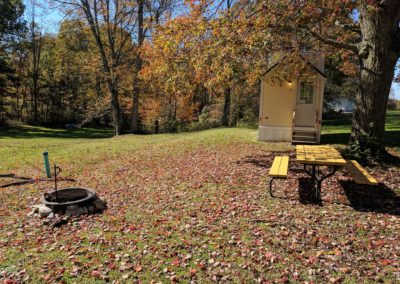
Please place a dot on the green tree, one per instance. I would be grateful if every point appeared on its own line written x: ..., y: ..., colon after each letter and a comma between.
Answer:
x: 11, y: 23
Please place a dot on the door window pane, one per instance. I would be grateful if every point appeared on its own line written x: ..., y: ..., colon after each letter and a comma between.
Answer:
x: 306, y: 93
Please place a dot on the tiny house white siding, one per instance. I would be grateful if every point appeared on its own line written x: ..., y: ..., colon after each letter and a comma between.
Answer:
x: 276, y: 109
x: 278, y: 101
x: 270, y: 133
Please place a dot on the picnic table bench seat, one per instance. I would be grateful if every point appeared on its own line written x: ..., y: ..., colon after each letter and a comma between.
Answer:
x: 359, y: 174
x: 279, y: 169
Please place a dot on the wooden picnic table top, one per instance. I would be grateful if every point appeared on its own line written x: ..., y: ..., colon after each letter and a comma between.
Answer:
x: 319, y: 155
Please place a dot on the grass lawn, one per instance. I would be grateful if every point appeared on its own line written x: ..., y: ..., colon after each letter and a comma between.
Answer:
x: 194, y: 207
x: 337, y: 131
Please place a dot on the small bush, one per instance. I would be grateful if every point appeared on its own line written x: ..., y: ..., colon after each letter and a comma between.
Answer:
x: 249, y: 119
x: 171, y: 126
x: 332, y: 114
x: 392, y: 104
x: 363, y: 149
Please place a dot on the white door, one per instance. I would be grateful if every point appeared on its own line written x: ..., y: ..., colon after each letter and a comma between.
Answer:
x: 305, y: 104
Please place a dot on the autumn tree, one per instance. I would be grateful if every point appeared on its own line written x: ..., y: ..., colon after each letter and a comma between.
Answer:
x: 111, y: 23
x: 365, y: 32
x: 150, y: 13
x: 169, y: 71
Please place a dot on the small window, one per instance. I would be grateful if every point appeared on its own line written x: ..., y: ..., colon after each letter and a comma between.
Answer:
x: 306, y: 93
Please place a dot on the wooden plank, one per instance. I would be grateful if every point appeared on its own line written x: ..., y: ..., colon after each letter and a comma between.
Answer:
x: 275, y: 166
x: 300, y: 154
x: 319, y: 155
x: 283, y: 169
x: 279, y: 167
x: 359, y: 174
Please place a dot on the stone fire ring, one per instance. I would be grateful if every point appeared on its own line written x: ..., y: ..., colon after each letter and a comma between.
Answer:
x: 67, y: 197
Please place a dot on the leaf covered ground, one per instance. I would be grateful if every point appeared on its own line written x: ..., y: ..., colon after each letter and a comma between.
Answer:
x: 195, y: 207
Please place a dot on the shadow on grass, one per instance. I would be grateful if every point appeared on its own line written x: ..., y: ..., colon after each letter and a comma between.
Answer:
x: 263, y: 161
x: 307, y: 192
x: 27, y: 132
x: 25, y: 180
x: 14, y: 176
x: 378, y: 199
x: 392, y: 138
x: 335, y: 138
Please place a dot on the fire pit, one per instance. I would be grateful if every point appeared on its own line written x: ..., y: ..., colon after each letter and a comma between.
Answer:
x: 72, y: 201
x: 62, y: 198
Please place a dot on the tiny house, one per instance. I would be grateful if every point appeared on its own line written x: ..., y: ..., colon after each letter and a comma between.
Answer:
x: 291, y: 109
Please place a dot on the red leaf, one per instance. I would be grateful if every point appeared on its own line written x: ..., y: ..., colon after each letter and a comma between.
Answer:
x: 193, y: 271
x: 95, y: 273
x: 175, y: 262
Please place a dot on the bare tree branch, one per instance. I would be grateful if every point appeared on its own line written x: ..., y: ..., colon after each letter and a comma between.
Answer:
x: 342, y: 45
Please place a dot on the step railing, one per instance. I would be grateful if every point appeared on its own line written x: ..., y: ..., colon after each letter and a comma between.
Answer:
x: 293, y: 120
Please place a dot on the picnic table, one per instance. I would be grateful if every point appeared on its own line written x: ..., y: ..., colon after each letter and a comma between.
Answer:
x: 313, y: 157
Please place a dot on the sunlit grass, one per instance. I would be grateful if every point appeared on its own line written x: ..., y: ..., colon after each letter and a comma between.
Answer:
x: 22, y: 148
x: 337, y: 131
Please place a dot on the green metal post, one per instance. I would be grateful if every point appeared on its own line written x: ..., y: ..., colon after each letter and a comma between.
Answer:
x: 47, y: 164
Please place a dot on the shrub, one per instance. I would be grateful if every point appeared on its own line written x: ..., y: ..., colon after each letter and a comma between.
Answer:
x: 364, y: 148
x: 332, y: 114
x: 392, y: 104
x: 249, y: 119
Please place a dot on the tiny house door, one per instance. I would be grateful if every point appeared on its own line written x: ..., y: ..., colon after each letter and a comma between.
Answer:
x: 305, y: 104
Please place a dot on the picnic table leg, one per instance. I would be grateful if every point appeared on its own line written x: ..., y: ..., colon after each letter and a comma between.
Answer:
x: 270, y: 187
x: 318, y: 189
x: 314, y: 173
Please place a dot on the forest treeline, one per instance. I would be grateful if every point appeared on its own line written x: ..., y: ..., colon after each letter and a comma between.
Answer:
x: 174, y: 66
x: 170, y: 65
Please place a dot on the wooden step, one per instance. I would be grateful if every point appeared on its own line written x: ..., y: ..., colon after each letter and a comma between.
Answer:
x: 303, y: 142
x: 308, y: 129
x: 303, y: 136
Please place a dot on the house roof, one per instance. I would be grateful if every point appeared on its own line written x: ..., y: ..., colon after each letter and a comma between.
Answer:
x: 316, y: 69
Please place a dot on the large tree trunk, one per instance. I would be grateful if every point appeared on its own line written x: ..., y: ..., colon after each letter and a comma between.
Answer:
x: 138, y: 67
x: 135, y: 107
x: 116, y: 110
x: 227, y: 107
x: 371, y: 100
x: 378, y: 56
x: 135, y: 96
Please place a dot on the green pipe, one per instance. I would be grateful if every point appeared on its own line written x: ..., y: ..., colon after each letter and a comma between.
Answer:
x: 47, y: 164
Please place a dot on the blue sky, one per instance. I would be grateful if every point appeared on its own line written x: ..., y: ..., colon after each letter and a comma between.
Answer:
x: 396, y: 88
x: 51, y: 18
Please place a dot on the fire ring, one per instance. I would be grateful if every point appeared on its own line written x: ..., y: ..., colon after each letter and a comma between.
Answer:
x: 61, y: 198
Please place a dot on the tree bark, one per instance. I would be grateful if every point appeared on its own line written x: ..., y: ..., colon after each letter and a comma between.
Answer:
x: 36, y: 53
x: 135, y: 108
x: 116, y: 110
x: 138, y: 67
x: 227, y: 107
x: 378, y: 55
x: 227, y: 91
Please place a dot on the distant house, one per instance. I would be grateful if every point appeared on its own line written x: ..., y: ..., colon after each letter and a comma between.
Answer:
x: 292, y: 110
x: 342, y: 104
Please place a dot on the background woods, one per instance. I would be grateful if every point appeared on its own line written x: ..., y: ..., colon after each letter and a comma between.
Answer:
x: 168, y: 65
